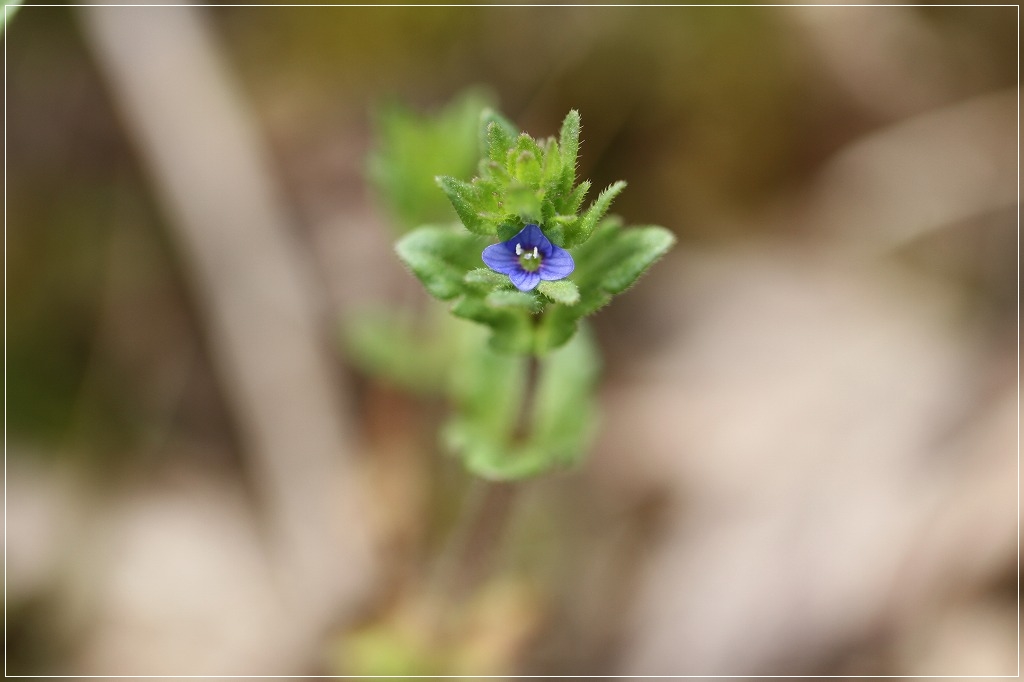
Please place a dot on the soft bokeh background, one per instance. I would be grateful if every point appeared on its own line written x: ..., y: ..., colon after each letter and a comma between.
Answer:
x: 807, y: 462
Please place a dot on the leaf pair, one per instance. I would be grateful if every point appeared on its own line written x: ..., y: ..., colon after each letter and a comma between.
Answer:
x: 447, y: 260
x: 490, y: 429
x: 493, y: 435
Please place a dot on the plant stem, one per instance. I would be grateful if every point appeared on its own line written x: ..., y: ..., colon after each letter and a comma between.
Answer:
x: 479, y: 536
x: 468, y: 556
x: 470, y: 550
x: 524, y: 420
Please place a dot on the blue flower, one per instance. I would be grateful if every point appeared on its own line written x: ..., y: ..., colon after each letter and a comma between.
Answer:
x: 528, y: 258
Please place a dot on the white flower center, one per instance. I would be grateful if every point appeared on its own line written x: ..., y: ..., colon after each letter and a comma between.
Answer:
x: 534, y: 254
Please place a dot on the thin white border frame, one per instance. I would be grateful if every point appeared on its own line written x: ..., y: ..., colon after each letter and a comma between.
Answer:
x: 7, y: 7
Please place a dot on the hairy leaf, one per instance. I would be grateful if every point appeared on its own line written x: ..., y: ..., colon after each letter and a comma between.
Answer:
x: 569, y: 142
x: 487, y: 278
x: 584, y: 227
x: 507, y: 129
x: 634, y: 251
x: 559, y: 423
x: 562, y: 291
x: 389, y: 346
x: 511, y: 327
x: 506, y: 298
x: 465, y: 199
x: 412, y: 149
x: 497, y: 142
x: 440, y: 258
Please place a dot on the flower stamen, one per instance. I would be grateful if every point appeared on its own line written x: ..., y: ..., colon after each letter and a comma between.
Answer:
x: 527, y: 254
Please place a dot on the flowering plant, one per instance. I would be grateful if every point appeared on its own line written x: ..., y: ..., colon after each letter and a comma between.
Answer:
x: 526, y: 196
x: 515, y: 253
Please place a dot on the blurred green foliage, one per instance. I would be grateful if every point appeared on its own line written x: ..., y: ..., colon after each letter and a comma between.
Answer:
x: 10, y: 8
x: 496, y: 439
x: 411, y: 151
x: 392, y: 652
x: 55, y: 395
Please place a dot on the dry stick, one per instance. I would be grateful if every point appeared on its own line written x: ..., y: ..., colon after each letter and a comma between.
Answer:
x: 249, y: 277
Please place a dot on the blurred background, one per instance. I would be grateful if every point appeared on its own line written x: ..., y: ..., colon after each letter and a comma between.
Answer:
x: 807, y: 459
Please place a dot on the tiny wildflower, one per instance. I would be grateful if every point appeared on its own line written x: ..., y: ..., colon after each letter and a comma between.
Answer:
x: 528, y: 258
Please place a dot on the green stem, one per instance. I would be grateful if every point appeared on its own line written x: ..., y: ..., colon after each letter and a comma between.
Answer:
x: 524, y: 418
x: 470, y: 552
x: 475, y: 542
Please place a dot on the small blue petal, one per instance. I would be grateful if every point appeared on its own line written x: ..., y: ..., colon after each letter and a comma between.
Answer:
x: 525, y: 281
x: 530, y: 237
x: 558, y: 265
x: 500, y: 259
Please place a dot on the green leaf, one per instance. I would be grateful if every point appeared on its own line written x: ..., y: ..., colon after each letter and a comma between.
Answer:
x: 611, y: 261
x: 507, y: 230
x: 390, y: 347
x: 584, y: 227
x: 558, y: 425
x: 507, y: 129
x: 465, y: 199
x: 569, y: 142
x: 562, y: 291
x: 491, y: 174
x: 440, y: 257
x: 552, y: 163
x: 528, y: 168
x: 560, y: 323
x: 511, y: 327
x: 564, y: 410
x: 524, y: 161
x: 486, y: 388
x: 487, y: 277
x: 575, y: 199
x: 410, y: 150
x: 497, y: 142
x: 504, y: 298
x: 522, y: 201
x: 634, y: 251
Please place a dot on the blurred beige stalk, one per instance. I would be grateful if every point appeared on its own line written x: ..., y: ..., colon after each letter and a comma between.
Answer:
x: 262, y: 316
x: 921, y: 174
x: 887, y: 58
